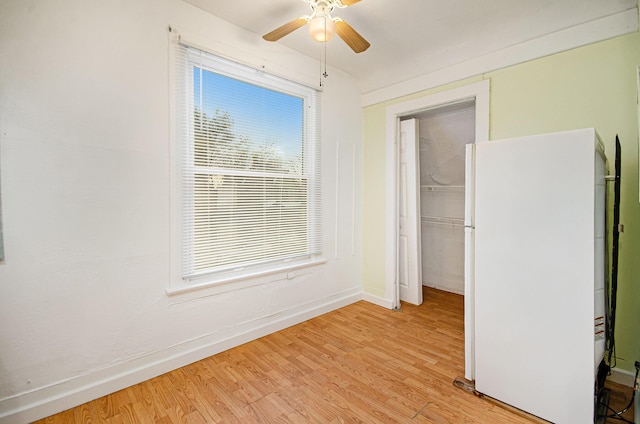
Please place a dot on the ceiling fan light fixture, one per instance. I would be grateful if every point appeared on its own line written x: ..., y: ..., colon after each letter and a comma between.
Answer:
x: 322, y: 28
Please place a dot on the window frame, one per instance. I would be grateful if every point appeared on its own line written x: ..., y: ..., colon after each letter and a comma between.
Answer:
x: 186, y: 57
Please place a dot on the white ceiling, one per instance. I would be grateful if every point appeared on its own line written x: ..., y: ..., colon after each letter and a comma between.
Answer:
x: 410, y: 38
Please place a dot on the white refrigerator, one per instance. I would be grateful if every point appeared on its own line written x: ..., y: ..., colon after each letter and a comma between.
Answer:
x: 535, y: 272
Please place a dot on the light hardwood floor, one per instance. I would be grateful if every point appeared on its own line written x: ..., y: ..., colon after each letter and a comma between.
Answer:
x: 359, y: 364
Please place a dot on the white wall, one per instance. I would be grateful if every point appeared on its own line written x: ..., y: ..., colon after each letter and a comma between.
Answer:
x: 86, y: 197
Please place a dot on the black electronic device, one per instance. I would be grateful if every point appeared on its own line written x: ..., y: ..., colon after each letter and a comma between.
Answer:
x: 601, y: 394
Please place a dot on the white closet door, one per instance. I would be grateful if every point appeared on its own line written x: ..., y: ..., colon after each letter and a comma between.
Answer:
x: 409, y: 263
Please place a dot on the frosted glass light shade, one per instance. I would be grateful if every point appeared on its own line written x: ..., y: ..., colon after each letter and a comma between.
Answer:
x: 322, y: 29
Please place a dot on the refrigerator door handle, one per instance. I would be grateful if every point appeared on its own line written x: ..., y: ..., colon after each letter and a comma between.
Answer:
x: 469, y: 185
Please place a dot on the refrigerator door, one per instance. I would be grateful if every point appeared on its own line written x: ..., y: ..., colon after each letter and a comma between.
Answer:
x: 534, y: 273
x: 469, y: 312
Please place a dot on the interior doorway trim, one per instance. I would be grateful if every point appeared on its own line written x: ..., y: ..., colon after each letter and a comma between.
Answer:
x: 479, y: 92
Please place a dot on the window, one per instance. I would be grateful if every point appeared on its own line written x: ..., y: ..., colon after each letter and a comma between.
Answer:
x: 249, y: 168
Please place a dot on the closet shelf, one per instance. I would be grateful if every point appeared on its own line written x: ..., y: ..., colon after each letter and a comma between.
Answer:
x: 441, y: 188
x: 455, y: 222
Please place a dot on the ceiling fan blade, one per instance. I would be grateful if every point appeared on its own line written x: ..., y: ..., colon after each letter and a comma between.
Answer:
x: 350, y: 36
x: 348, y: 2
x: 285, y: 29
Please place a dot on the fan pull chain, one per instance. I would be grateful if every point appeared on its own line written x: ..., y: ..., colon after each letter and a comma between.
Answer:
x: 324, y: 74
x: 325, y: 60
x: 321, y: 84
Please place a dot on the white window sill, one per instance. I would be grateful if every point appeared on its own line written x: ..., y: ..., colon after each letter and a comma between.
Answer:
x: 213, y: 281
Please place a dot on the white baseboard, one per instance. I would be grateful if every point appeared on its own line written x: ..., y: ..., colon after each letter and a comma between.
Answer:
x: 45, y: 401
x: 621, y: 376
x: 377, y: 300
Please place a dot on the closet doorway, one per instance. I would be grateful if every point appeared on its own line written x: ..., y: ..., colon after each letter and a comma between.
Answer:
x: 478, y: 95
x: 443, y: 134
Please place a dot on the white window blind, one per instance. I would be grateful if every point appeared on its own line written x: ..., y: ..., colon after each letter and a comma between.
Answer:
x: 249, y: 167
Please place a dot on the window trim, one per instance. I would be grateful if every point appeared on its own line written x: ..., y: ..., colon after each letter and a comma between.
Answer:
x: 183, y: 81
x: 204, y: 283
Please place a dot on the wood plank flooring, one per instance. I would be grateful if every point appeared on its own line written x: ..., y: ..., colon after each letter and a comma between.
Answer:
x: 359, y: 364
x: 620, y: 398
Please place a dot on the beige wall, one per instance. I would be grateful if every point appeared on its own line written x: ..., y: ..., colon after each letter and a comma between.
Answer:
x: 592, y: 86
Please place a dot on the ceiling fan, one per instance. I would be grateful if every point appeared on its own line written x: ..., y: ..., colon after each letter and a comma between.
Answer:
x: 322, y: 26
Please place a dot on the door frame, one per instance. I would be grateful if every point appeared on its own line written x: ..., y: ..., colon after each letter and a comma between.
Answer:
x: 478, y: 91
